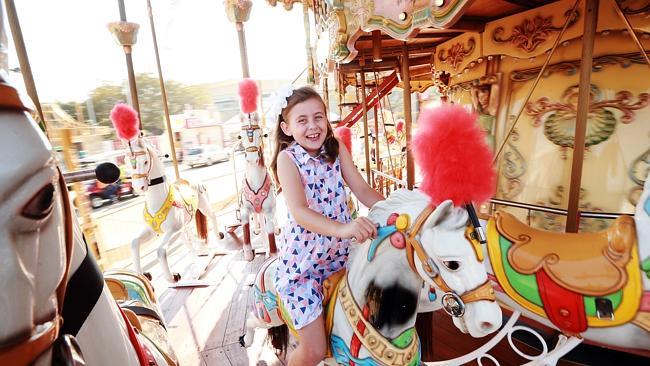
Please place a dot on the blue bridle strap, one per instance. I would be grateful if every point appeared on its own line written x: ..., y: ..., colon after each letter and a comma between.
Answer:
x: 383, y: 232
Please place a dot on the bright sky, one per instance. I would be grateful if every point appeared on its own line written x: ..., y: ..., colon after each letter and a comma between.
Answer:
x: 71, y: 50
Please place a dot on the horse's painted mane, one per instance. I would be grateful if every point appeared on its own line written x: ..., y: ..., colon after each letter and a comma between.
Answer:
x: 411, y: 203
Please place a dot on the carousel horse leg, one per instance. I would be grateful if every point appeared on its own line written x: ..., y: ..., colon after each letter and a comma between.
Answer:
x: 257, y: 225
x: 269, y: 227
x: 146, y: 235
x: 168, y: 239
x: 206, y: 209
x: 245, y: 221
x: 252, y: 323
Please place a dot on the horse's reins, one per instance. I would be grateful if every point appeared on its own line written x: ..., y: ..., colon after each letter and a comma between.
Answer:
x: 250, y: 131
x: 483, y: 291
x: 133, y: 157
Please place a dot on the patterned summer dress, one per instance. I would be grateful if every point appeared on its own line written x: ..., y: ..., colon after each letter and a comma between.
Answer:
x: 306, y: 259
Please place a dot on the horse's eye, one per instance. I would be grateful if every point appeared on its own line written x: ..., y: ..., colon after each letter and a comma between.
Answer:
x: 40, y: 205
x: 145, y: 162
x: 452, y: 265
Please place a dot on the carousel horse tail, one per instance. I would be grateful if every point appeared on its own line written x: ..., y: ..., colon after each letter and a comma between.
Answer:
x: 424, y: 328
x: 279, y: 338
x: 201, y: 225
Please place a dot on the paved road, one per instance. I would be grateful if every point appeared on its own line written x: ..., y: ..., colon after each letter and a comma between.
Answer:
x: 119, y: 223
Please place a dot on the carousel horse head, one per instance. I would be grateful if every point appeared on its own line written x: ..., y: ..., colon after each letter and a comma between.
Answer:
x: 126, y: 123
x: 456, y: 165
x: 35, y: 239
x: 251, y: 133
x: 442, y: 253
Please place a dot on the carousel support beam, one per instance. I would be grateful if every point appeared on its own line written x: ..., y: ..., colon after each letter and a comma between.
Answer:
x: 365, y: 125
x: 133, y: 89
x: 630, y: 29
x: 584, y: 90
x: 377, y: 155
x: 326, y: 96
x: 23, y: 60
x: 170, y: 133
x: 406, y: 82
x: 87, y: 225
x: 310, y: 58
x: 376, y: 46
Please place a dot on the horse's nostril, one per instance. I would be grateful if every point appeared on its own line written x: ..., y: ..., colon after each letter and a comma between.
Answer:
x: 486, y: 326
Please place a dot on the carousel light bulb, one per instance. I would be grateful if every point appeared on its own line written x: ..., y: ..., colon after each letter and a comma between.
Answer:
x: 439, y: 3
x: 403, y: 15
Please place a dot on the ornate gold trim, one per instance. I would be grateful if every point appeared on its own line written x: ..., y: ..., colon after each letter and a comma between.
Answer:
x: 380, y: 348
x: 457, y: 53
x: 154, y: 221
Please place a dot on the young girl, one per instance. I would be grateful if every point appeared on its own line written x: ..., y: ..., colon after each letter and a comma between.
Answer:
x: 311, y: 167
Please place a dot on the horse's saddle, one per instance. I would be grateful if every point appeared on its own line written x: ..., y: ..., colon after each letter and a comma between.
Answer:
x: 187, y: 197
x: 586, y: 263
x: 575, y: 280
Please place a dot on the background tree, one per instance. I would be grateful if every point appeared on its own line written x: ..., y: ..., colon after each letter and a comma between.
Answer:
x: 179, y: 96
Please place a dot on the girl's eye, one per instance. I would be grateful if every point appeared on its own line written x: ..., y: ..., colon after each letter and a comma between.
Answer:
x: 40, y: 205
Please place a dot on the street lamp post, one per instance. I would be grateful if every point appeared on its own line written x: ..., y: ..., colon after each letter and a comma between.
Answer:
x: 238, y: 12
x: 126, y: 35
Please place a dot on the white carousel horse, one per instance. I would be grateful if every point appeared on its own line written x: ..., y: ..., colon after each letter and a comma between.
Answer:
x: 52, y: 289
x: 418, y: 245
x: 591, y: 286
x: 257, y: 195
x: 168, y: 207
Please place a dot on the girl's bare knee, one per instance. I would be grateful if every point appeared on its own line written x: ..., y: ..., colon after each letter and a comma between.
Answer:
x: 314, y: 353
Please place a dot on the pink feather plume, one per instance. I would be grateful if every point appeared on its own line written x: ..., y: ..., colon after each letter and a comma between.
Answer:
x: 344, y: 134
x: 248, y: 94
x: 125, y: 120
x: 453, y: 156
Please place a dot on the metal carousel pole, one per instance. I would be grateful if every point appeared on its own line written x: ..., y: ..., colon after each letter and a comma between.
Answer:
x: 163, y: 91
x: 238, y: 12
x: 126, y: 35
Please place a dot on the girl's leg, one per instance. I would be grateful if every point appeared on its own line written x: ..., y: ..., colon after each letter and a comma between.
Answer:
x: 311, y: 348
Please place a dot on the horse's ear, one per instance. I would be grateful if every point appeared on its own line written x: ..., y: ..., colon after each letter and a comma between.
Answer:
x: 440, y: 214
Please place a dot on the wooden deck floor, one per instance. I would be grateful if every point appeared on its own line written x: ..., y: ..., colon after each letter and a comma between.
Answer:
x: 205, y: 323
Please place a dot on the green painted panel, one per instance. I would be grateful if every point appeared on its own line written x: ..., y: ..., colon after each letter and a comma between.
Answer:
x: 525, y: 285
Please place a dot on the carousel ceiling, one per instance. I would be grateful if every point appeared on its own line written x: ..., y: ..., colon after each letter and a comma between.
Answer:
x: 421, y: 25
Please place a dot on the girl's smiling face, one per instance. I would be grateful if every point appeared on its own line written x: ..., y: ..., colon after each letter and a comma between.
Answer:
x: 307, y: 124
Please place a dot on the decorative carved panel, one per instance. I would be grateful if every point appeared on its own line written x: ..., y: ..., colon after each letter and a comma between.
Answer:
x: 457, y: 53
x: 531, y: 32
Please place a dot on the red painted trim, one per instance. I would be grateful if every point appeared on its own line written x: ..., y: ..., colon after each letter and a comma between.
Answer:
x: 355, y: 343
x: 563, y: 307
x: 135, y: 342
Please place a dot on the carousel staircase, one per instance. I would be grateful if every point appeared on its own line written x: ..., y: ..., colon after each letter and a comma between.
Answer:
x: 371, y: 100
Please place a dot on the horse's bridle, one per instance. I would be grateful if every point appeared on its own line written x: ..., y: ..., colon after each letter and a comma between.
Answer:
x: 134, y: 163
x: 453, y: 303
x: 250, y: 134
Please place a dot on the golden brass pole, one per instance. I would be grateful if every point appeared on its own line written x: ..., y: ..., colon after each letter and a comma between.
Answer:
x: 584, y: 91
x: 170, y: 132
x: 406, y: 82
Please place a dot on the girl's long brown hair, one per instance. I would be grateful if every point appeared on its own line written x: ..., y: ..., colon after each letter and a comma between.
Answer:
x: 282, y: 141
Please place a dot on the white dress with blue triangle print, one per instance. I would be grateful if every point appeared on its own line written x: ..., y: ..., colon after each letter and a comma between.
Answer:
x: 306, y: 259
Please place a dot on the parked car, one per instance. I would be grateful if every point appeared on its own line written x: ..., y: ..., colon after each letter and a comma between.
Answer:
x: 205, y: 155
x: 100, y: 194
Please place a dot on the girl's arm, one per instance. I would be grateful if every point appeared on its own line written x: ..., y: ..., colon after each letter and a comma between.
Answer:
x: 359, y: 187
